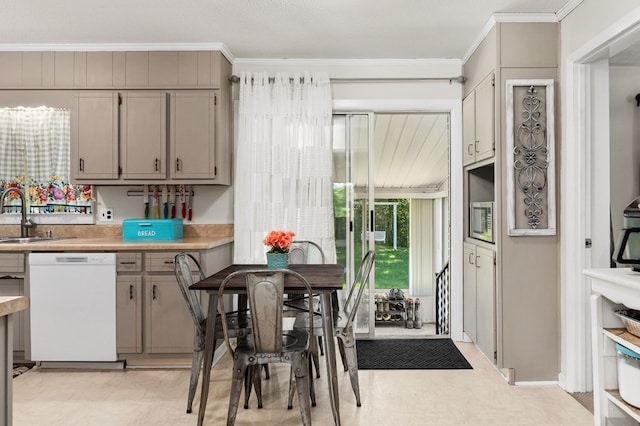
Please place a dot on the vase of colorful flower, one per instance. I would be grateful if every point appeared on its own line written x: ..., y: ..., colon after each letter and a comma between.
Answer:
x: 279, y: 243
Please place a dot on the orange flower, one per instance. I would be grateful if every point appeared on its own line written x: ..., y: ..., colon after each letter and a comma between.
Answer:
x: 279, y: 241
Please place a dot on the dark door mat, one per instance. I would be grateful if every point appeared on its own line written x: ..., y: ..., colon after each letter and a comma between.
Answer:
x: 410, y: 354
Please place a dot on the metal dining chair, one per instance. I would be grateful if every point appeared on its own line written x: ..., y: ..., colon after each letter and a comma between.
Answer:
x: 185, y: 265
x: 306, y: 252
x: 343, y: 324
x: 268, y: 342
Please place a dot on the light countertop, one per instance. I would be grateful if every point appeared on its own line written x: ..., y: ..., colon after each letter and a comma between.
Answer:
x: 13, y: 304
x: 109, y: 238
x: 116, y: 244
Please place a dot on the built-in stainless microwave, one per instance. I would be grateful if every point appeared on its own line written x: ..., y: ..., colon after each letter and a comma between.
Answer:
x: 481, y: 221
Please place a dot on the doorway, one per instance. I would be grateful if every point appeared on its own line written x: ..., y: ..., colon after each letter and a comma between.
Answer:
x: 391, y: 191
x: 587, y: 182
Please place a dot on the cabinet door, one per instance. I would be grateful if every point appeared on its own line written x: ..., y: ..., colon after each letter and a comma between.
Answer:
x: 485, y: 113
x: 169, y: 327
x: 162, y: 261
x: 129, y: 314
x: 144, y: 135
x: 95, y: 136
x: 468, y: 129
x: 485, y: 303
x: 11, y: 286
x: 192, y: 153
x: 469, y: 291
x: 129, y: 262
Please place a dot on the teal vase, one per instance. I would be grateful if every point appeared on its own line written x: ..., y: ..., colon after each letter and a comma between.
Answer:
x: 277, y: 260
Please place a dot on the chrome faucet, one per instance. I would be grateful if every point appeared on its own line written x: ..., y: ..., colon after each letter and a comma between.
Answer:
x: 25, y: 223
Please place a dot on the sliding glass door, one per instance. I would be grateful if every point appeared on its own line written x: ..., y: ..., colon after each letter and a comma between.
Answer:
x: 354, y: 205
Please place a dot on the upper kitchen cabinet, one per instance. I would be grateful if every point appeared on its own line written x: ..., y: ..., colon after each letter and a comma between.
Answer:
x: 143, y: 135
x: 130, y: 131
x: 478, y: 117
x: 94, y: 136
x: 193, y: 130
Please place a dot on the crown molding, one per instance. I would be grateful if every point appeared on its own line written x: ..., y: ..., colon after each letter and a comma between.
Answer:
x: 568, y: 8
x: 346, y: 62
x: 509, y: 17
x: 114, y: 47
x: 525, y: 17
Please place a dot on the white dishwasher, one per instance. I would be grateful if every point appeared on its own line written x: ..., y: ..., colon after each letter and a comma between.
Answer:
x: 73, y: 306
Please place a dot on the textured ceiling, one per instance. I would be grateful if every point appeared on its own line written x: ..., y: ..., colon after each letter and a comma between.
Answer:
x: 336, y: 29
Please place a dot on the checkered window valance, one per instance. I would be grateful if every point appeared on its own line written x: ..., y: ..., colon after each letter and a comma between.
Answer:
x: 34, y: 143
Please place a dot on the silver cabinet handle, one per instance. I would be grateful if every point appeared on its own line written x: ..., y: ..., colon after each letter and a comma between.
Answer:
x: 477, y: 261
x: 471, y: 258
x: 477, y: 143
x: 470, y: 149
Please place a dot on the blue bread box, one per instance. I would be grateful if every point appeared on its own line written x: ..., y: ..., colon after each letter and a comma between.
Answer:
x: 151, y: 229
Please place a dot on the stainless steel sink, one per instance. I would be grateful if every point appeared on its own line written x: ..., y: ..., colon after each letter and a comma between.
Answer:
x: 25, y: 240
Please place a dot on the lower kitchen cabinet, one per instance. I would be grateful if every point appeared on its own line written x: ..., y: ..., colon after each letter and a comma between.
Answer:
x: 469, y: 291
x: 479, y: 319
x: 12, y: 267
x: 168, y: 324
x: 129, y: 314
x: 152, y: 316
x: 13, y: 286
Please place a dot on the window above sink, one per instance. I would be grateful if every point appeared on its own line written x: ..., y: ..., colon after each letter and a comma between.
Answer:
x: 36, y: 146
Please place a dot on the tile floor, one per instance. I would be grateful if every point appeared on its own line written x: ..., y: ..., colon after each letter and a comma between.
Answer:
x: 393, y: 397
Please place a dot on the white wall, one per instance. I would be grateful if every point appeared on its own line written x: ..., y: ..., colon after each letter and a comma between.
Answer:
x: 211, y: 204
x: 372, y: 69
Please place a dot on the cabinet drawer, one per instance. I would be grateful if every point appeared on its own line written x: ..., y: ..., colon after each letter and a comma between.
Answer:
x: 11, y: 262
x: 163, y: 261
x: 129, y: 262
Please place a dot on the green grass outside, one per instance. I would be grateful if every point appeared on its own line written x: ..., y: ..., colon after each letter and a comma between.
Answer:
x: 392, y: 266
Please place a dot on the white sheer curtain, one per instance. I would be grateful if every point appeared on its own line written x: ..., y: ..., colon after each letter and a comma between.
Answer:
x: 283, y: 174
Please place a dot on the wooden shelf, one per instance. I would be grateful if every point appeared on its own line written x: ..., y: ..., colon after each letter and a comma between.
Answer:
x: 622, y: 336
x: 614, y: 396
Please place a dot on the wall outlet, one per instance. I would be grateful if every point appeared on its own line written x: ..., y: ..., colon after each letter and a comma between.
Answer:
x: 106, y: 214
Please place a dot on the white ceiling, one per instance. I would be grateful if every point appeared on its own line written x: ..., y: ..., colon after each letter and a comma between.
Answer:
x: 335, y: 29
x: 411, y: 153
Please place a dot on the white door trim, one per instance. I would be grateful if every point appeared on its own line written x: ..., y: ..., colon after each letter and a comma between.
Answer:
x: 454, y: 108
x: 583, y: 103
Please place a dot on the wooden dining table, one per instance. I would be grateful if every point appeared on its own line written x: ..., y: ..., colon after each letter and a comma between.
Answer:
x: 325, y: 280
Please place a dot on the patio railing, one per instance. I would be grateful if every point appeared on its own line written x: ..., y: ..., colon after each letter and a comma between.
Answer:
x: 442, y: 300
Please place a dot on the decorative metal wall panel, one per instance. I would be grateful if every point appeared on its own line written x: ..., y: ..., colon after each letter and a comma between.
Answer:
x: 530, y: 157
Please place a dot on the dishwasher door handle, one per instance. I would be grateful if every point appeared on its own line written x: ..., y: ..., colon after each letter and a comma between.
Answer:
x: 72, y: 259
